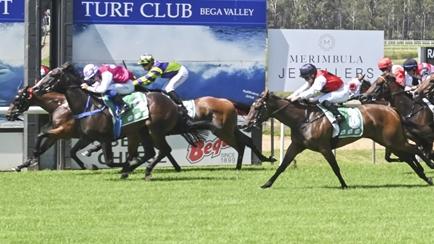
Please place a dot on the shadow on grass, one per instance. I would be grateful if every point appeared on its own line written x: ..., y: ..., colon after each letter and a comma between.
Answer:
x: 169, y: 179
x: 375, y: 186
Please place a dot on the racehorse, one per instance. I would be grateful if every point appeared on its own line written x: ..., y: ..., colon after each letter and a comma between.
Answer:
x: 223, y: 115
x: 425, y: 89
x: 95, y: 121
x: 416, y: 116
x: 310, y: 129
x: 63, y: 125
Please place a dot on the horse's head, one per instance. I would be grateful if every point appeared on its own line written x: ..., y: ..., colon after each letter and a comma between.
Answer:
x: 258, y: 112
x: 58, y: 79
x: 20, y: 104
x: 425, y: 89
x: 364, y: 83
x: 383, y: 87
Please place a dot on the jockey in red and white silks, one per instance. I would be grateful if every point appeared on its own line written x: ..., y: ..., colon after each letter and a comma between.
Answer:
x: 325, y: 86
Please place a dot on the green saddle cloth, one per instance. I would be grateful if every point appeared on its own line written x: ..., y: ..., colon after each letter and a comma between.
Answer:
x: 138, y: 108
x: 353, y: 124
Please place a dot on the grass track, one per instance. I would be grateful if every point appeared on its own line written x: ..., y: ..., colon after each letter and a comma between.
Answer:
x: 386, y: 203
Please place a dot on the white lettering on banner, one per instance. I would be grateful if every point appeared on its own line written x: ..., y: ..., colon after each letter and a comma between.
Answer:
x: 179, y: 10
x: 430, y: 53
x: 4, y: 4
x: 108, y: 9
x: 347, y: 73
x: 226, y: 11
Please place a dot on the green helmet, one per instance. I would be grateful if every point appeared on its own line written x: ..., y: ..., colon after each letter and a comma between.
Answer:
x: 146, y: 59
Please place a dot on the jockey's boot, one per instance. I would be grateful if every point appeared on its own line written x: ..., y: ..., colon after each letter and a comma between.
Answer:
x: 178, y: 101
x: 332, y: 108
x: 123, y: 107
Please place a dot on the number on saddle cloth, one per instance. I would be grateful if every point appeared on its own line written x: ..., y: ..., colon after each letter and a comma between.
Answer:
x: 352, y: 126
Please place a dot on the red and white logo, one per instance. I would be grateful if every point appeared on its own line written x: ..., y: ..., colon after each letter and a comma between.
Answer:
x: 205, y: 148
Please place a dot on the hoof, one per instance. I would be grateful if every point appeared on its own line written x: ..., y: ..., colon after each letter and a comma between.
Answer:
x: 124, y: 170
x: 16, y: 169
x: 86, y: 153
x: 266, y: 185
x: 94, y: 167
x: 148, y: 177
x: 178, y: 169
x: 429, y: 181
x: 124, y: 176
x: 272, y: 159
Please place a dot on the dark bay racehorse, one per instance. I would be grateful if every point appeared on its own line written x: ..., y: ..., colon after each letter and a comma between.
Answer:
x: 425, y: 89
x: 310, y: 129
x: 164, y: 117
x: 416, y: 116
x: 63, y: 124
x: 223, y: 115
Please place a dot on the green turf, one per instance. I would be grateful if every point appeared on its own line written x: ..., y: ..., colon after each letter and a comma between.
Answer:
x: 386, y: 203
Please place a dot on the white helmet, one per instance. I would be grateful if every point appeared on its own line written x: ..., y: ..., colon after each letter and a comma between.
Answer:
x: 90, y: 71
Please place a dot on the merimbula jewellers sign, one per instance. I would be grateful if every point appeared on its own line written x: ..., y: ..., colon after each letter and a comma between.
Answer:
x: 345, y: 53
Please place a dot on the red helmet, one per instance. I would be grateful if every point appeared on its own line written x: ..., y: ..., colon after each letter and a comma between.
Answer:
x: 384, y: 63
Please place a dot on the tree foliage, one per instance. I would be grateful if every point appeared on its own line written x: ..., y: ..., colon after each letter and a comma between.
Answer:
x: 400, y: 19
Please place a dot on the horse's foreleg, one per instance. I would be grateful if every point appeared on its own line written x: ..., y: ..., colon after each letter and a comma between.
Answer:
x: 290, y: 154
x: 388, y: 156
x: 163, y: 150
x: 37, y: 151
x: 331, y: 159
x: 247, y: 141
x: 417, y: 168
x: 82, y: 143
x: 108, y: 155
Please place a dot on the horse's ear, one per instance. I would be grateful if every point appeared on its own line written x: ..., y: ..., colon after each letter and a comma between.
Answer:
x: 266, y: 92
x: 66, y: 65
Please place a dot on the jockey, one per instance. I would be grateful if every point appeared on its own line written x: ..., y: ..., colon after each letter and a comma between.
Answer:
x: 44, y: 70
x: 323, y: 87
x: 175, y: 72
x: 354, y: 87
x: 416, y: 73
x: 114, y: 80
x: 385, y: 65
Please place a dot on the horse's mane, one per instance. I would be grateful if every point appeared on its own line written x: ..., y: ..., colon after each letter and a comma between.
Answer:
x: 298, y: 104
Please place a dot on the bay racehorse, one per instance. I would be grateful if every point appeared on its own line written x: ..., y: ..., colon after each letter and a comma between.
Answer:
x: 310, y: 129
x: 416, y: 115
x: 95, y: 121
x: 62, y: 126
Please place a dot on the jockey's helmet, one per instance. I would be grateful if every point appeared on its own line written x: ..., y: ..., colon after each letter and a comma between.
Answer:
x: 146, y: 59
x: 409, y: 64
x: 385, y: 63
x: 307, y: 70
x: 90, y: 71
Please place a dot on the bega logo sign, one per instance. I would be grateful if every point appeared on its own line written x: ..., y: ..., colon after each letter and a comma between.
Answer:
x: 205, y: 148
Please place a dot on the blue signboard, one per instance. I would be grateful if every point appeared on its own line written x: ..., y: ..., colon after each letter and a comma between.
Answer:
x: 172, y: 12
x: 11, y: 10
x: 220, y: 42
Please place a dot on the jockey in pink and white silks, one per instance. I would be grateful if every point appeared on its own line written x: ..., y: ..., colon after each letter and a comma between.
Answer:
x: 113, y: 80
x: 321, y: 86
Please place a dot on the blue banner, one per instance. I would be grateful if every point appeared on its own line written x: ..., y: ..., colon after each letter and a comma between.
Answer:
x: 11, y: 10
x: 172, y: 12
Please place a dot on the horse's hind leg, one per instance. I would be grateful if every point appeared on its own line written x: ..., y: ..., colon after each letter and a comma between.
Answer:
x: 82, y: 143
x: 92, y: 149
x: 173, y: 162
x: 388, y: 156
x: 290, y: 154
x: 331, y: 159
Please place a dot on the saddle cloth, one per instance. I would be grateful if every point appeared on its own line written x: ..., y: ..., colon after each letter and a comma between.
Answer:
x: 138, y: 110
x: 352, y: 126
x: 191, y: 107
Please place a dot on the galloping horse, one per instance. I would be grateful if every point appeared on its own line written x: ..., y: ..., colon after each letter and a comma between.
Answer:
x: 63, y: 124
x: 416, y: 116
x: 310, y: 129
x: 223, y: 115
x: 96, y: 125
